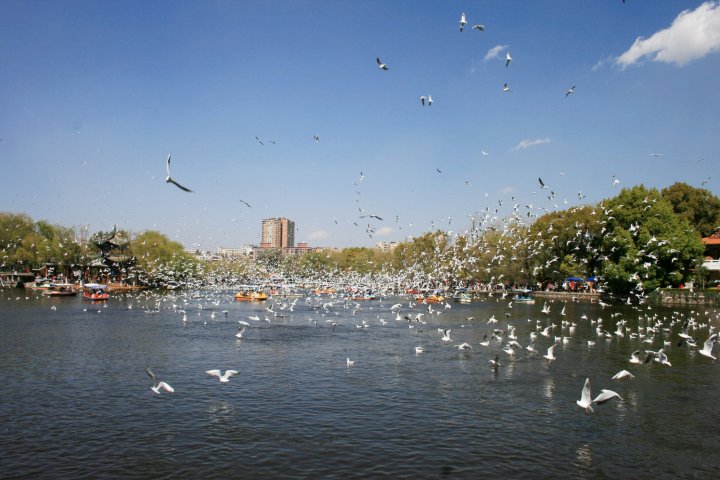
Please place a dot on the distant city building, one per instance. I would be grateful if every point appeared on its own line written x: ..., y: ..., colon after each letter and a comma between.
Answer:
x: 386, y: 246
x: 246, y: 251
x: 277, y: 233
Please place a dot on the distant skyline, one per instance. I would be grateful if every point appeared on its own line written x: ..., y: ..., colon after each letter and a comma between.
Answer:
x: 279, y: 109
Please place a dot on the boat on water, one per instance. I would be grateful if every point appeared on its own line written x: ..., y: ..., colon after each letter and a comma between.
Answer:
x: 523, y: 299
x: 41, y: 284
x: 95, y: 291
x: 60, y: 290
x: 463, y: 297
x: 435, y: 298
x: 251, y: 295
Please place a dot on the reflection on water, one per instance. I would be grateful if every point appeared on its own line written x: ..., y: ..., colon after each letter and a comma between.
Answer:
x: 77, y: 401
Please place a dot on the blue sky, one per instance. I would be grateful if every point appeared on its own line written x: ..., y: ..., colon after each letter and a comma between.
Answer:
x: 94, y: 95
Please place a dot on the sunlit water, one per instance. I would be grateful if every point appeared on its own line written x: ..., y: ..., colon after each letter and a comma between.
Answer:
x: 76, y: 402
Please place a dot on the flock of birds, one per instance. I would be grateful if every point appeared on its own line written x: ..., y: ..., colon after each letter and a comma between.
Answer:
x: 674, y: 331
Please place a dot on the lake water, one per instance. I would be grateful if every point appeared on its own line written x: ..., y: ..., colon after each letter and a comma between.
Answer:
x: 76, y: 402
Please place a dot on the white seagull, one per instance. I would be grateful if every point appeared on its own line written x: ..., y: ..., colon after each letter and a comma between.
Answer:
x: 479, y: 27
x: 463, y: 21
x: 623, y: 375
x: 550, y: 355
x: 225, y: 377
x: 169, y: 179
x: 158, y: 386
x: 708, y: 346
x: 570, y: 90
x: 585, y: 401
x: 350, y: 362
x: 508, y: 59
x: 506, y: 88
x: 381, y: 65
x: 446, y: 335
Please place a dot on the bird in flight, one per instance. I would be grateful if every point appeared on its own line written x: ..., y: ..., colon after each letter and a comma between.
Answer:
x: 422, y: 100
x: 542, y: 184
x: 508, y: 58
x: 381, y: 65
x: 316, y: 138
x: 246, y: 203
x: 463, y: 21
x: 506, y: 88
x: 570, y: 90
x: 259, y: 141
x: 158, y: 386
x: 479, y: 27
x: 225, y: 377
x: 169, y: 179
x: 655, y: 154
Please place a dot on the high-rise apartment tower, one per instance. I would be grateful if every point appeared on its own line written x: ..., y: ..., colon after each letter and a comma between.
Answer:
x: 277, y: 233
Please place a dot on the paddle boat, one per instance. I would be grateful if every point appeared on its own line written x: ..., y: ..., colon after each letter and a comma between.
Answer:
x: 251, y: 295
x: 95, y: 291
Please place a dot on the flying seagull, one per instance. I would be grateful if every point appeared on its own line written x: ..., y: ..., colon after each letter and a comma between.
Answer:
x: 157, y: 386
x: 708, y: 346
x: 259, y: 141
x: 542, y: 184
x: 246, y: 203
x: 316, y: 138
x: 585, y: 401
x: 570, y: 90
x: 169, y: 179
x: 463, y: 21
x: 422, y: 100
x: 381, y: 65
x: 225, y: 377
x: 506, y: 88
x: 508, y: 58
x: 479, y: 27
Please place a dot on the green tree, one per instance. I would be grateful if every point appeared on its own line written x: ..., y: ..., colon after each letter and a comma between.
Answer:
x: 698, y: 206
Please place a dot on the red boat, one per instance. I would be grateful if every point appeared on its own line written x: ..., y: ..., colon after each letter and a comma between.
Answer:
x: 95, y: 291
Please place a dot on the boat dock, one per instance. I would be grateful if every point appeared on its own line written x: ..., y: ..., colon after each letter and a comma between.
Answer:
x: 12, y: 279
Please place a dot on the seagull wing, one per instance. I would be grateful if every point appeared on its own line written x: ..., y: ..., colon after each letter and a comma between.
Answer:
x: 167, y: 165
x: 708, y: 345
x: 230, y: 373
x: 150, y: 373
x: 170, y: 180
x: 165, y: 387
x: 605, y: 395
x: 213, y: 373
x: 551, y: 349
x: 585, y: 395
x: 541, y: 182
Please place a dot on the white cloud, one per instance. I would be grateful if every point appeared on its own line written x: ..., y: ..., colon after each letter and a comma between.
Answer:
x: 529, y: 143
x: 318, y: 235
x: 384, y: 231
x: 692, y: 35
x: 494, y: 52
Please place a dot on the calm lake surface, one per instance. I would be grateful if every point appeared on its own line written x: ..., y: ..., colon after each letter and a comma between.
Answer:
x: 76, y: 402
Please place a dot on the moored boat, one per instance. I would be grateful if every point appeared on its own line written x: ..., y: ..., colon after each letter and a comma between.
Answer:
x: 60, y: 290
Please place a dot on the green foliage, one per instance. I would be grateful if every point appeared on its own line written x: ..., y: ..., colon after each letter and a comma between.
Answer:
x: 698, y: 206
